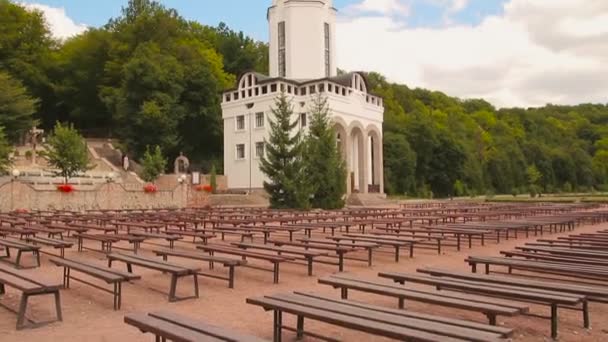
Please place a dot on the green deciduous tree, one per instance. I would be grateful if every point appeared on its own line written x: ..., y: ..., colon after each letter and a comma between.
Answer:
x: 283, y: 162
x: 534, y: 177
x: 5, y: 150
x: 153, y: 164
x: 326, y: 170
x: 16, y: 108
x: 66, y: 151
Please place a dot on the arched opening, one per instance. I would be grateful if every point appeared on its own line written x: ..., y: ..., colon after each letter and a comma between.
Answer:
x: 375, y: 170
x: 357, y: 164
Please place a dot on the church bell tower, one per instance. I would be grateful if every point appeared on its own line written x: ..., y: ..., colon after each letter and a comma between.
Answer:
x: 302, y: 44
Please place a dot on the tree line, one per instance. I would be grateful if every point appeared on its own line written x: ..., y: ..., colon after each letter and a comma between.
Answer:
x: 151, y: 78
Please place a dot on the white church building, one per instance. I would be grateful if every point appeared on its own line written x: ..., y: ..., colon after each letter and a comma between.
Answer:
x: 302, y: 65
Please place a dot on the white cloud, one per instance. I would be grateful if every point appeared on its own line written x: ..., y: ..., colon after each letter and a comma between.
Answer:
x: 535, y: 52
x: 60, y: 24
x: 381, y: 7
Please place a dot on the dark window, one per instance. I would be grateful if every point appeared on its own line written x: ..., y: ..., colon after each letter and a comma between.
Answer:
x: 264, y: 89
x: 303, y: 119
x: 303, y: 91
x: 313, y: 89
x: 259, y: 149
x: 240, y: 122
x: 282, y: 67
x: 273, y: 88
x: 259, y: 120
x: 240, y: 151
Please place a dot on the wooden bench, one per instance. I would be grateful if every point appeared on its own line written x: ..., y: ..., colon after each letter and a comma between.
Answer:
x: 29, y: 287
x: 401, y: 325
x: 176, y: 271
x: 170, y: 238
x: 61, y: 245
x: 51, y: 233
x: 306, y: 255
x: 396, y: 243
x: 193, y: 234
x: 561, y: 269
x: 169, y: 326
x: 106, y: 274
x: 21, y: 248
x: 490, y: 307
x: 325, y: 245
x: 551, y: 298
x: 274, y: 259
x: 106, y: 241
x: 226, y: 262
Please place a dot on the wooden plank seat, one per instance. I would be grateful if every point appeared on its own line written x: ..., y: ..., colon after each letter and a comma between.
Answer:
x: 303, y: 254
x: 560, y: 269
x: 564, y: 251
x: 61, y: 245
x: 490, y: 307
x: 550, y: 298
x: 106, y: 240
x: 51, y: 233
x: 103, y: 273
x: 554, y: 258
x: 223, y: 231
x: 176, y: 271
x: 66, y: 228
x: 194, y: 255
x: 353, y: 246
x: 29, y: 287
x: 105, y: 229
x: 396, y: 243
x: 276, y: 260
x: 169, y: 326
x: 401, y: 325
x: 22, y: 232
x: 171, y: 238
x: 135, y: 240
x: 21, y: 248
x: 592, y: 293
x: 193, y: 234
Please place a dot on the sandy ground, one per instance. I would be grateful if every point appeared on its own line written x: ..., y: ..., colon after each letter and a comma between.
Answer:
x: 88, y: 314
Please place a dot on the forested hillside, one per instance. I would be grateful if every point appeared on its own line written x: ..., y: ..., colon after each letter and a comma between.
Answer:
x: 149, y: 77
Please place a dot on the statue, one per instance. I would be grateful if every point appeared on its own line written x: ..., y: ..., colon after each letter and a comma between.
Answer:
x: 181, y: 164
x: 34, y: 133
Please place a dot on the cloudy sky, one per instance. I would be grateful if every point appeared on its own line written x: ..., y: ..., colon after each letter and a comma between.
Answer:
x: 510, y: 52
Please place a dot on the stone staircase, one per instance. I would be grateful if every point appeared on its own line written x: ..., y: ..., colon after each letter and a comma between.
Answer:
x: 369, y: 200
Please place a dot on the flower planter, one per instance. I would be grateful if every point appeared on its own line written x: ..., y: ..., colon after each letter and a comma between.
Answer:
x: 65, y: 188
x: 150, y: 188
x: 206, y: 188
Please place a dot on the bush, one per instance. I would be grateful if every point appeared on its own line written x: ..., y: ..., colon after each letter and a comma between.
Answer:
x: 213, y: 179
x: 533, y: 191
x: 153, y: 164
x: 567, y: 187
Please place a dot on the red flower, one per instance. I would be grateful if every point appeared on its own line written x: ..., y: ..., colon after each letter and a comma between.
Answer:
x: 66, y: 188
x: 21, y: 211
x: 206, y: 188
x: 150, y: 188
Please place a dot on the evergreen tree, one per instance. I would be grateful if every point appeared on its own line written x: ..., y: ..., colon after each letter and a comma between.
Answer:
x: 283, y: 163
x: 66, y: 151
x: 153, y: 164
x: 5, y: 150
x: 326, y: 170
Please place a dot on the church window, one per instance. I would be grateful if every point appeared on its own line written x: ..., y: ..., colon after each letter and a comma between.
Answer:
x: 303, y: 120
x: 327, y: 51
x: 303, y: 91
x: 240, y: 123
x: 259, y: 120
x: 264, y: 90
x: 282, y: 68
x: 259, y: 149
x: 240, y: 151
x: 313, y: 89
x: 330, y: 88
x: 321, y: 88
x: 273, y: 88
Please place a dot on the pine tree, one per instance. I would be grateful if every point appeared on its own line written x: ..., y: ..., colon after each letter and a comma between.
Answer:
x: 325, y: 166
x: 283, y: 162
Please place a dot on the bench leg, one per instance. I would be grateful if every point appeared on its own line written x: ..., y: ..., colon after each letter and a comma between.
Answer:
x: 491, y: 319
x: 195, y: 284
x: 18, y: 260
x: 58, y: 306
x: 586, y: 322
x: 277, y: 326
x: 340, y: 261
x: 344, y: 293
x: 37, y: 253
x: 554, y: 321
x: 230, y: 277
x: 2, y: 290
x: 172, y: 288
x: 276, y: 272
x: 369, y: 258
x: 401, y: 303
x: 309, y: 259
x: 300, y: 328
x: 21, y: 313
